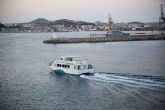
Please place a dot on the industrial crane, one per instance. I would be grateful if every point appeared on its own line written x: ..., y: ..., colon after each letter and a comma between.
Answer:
x: 162, y: 20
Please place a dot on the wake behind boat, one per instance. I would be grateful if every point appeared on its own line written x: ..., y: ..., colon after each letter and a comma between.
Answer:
x: 72, y: 65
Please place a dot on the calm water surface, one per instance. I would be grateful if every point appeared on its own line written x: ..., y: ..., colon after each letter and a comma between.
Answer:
x: 129, y: 75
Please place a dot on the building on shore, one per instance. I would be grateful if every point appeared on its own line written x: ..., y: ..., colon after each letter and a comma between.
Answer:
x: 136, y: 26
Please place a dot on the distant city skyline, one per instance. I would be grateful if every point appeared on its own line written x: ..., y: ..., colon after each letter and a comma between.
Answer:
x: 19, y: 11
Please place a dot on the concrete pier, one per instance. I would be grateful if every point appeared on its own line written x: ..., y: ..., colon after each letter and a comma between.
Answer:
x: 104, y: 39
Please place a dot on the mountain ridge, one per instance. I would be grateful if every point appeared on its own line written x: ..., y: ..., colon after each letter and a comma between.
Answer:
x: 60, y: 22
x: 39, y: 21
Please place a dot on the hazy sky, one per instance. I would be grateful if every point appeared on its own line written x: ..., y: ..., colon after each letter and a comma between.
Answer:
x: 14, y: 11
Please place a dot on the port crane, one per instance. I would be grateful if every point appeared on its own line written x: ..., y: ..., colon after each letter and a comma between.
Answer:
x: 110, y: 21
x: 162, y: 20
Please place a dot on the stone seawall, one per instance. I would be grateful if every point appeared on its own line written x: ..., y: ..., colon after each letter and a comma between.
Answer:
x: 104, y: 39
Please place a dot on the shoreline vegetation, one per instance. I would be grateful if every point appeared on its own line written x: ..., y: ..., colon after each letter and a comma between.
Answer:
x: 104, y: 39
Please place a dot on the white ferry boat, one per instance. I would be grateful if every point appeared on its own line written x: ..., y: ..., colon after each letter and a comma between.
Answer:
x: 72, y: 65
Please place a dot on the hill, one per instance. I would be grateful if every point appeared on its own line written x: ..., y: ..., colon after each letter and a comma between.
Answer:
x: 2, y: 25
x: 68, y: 23
x: 99, y: 23
x: 39, y: 21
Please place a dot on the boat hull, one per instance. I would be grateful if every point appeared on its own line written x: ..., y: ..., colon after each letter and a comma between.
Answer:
x: 71, y: 71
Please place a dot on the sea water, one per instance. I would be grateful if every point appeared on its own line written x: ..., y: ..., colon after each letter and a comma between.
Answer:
x: 129, y: 75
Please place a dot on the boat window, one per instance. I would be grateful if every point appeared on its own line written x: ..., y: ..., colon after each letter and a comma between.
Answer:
x: 89, y: 66
x: 69, y: 59
x: 63, y: 65
x: 78, y: 67
x: 58, y: 65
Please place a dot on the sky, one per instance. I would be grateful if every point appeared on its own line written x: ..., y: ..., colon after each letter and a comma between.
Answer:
x: 19, y: 11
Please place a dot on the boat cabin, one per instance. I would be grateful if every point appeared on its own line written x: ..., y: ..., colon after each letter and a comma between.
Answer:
x: 73, y: 63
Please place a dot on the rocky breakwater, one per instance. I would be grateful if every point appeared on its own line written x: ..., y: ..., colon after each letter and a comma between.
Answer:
x: 104, y: 39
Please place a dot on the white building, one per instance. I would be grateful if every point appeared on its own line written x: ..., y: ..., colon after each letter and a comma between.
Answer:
x: 136, y: 26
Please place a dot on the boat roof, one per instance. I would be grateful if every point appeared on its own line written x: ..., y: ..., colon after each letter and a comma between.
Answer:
x: 74, y: 57
x: 70, y: 56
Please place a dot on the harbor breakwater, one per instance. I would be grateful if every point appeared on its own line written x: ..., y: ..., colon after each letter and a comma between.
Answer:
x: 104, y: 39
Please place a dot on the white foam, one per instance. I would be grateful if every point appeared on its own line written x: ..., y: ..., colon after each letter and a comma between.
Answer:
x: 129, y: 81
